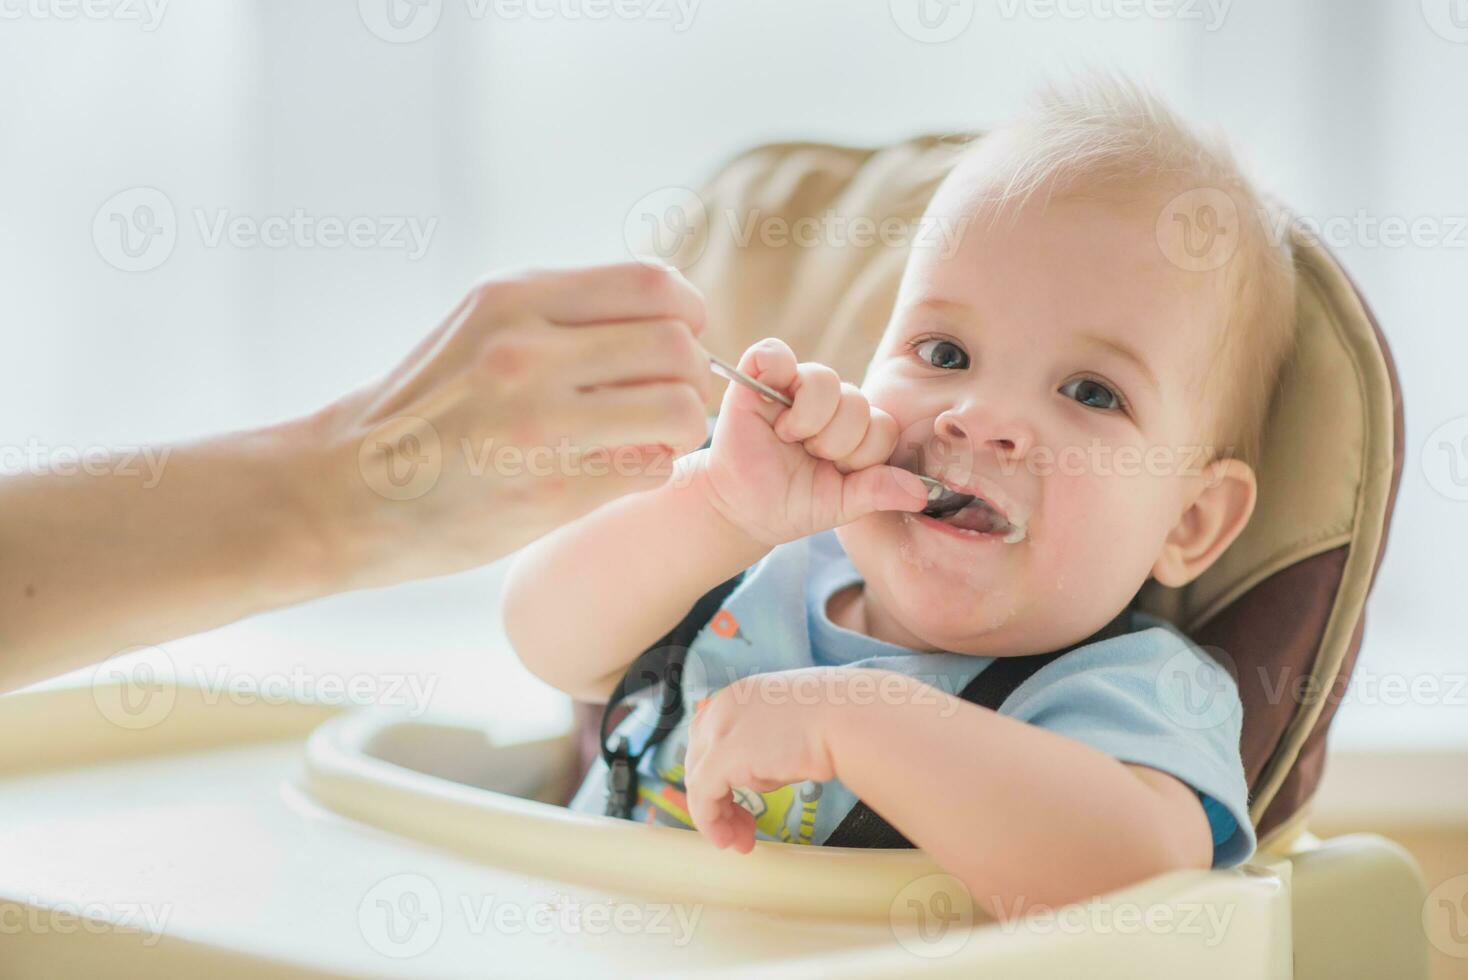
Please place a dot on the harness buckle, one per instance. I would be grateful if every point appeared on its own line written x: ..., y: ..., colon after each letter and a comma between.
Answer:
x: 621, y: 781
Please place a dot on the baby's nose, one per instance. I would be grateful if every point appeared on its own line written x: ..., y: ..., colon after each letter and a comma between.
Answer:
x: 1000, y: 438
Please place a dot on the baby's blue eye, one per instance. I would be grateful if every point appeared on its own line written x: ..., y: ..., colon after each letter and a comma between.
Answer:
x: 943, y: 354
x: 1092, y: 394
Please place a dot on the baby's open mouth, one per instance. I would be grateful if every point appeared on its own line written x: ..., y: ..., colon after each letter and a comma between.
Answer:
x: 971, y: 513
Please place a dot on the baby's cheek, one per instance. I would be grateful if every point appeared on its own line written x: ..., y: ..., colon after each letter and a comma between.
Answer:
x: 915, y: 421
x: 1113, y: 522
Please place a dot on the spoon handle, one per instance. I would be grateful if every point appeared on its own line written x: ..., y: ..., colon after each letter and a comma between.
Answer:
x: 726, y: 370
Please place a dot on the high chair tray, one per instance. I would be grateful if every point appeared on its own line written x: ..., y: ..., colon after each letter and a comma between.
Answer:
x: 274, y: 840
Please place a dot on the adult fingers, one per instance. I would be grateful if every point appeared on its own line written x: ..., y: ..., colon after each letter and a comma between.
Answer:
x: 627, y: 291
x: 666, y: 413
x: 636, y: 351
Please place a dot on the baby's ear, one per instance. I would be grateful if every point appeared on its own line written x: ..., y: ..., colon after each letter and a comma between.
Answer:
x: 1222, y: 503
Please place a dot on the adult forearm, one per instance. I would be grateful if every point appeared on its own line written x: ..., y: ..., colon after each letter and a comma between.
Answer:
x: 584, y: 601
x: 124, y: 553
x: 398, y: 480
x: 1024, y: 817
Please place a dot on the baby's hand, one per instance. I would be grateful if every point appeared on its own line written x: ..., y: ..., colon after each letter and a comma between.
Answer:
x: 780, y: 473
x: 759, y: 733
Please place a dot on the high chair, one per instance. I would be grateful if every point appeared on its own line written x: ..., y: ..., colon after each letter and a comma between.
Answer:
x: 292, y: 840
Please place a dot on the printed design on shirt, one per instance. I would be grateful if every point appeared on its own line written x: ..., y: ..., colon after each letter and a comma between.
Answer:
x: 810, y: 801
x: 667, y: 805
x: 726, y: 626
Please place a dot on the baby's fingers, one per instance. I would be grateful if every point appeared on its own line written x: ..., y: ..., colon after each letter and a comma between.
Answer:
x: 875, y: 447
x: 734, y: 827
x: 847, y: 429
x: 881, y: 488
x: 817, y: 396
x: 771, y: 362
x: 710, y: 797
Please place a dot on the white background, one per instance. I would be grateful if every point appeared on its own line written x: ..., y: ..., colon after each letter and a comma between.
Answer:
x: 529, y: 138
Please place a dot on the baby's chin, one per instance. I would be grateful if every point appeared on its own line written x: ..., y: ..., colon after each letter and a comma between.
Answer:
x: 948, y: 602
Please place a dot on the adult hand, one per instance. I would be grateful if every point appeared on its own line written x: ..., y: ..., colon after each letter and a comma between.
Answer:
x: 541, y: 396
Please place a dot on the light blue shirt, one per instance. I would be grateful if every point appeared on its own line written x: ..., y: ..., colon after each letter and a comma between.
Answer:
x: 1150, y: 697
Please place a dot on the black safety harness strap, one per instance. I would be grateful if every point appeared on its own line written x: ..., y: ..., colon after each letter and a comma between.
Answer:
x: 663, y: 664
x: 865, y: 827
x: 660, y: 664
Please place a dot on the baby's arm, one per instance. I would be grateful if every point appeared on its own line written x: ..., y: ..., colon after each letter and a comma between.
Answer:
x: 583, y: 602
x: 1023, y: 816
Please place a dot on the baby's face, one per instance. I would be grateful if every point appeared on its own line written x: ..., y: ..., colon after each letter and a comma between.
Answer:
x: 1051, y: 365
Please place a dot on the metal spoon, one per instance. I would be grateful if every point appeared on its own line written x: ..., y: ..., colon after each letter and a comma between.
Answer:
x: 941, y: 500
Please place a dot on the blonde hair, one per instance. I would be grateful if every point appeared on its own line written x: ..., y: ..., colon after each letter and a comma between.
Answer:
x: 1105, y: 133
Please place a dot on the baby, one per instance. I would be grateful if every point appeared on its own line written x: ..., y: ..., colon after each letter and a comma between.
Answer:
x: 1097, y: 379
